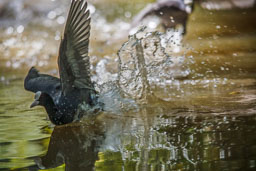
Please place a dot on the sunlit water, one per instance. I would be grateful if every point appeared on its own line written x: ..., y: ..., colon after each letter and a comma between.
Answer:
x: 172, y: 103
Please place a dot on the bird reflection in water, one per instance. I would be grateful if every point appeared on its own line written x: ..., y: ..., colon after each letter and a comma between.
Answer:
x: 76, y: 145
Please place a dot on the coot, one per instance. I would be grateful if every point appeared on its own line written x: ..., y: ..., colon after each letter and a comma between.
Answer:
x: 73, y: 94
x: 171, y: 13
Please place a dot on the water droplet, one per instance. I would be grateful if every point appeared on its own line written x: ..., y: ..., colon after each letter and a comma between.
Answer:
x: 57, y: 37
x: 61, y: 20
x: 152, y: 25
x: 91, y: 8
x: 2, y: 78
x: 9, y: 30
x: 51, y: 15
x: 20, y: 28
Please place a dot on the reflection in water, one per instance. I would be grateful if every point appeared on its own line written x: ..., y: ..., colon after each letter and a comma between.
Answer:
x: 76, y: 145
x: 180, y: 141
x: 211, y: 143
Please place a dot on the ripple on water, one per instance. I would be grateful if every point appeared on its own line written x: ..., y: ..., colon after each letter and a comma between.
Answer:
x: 21, y: 130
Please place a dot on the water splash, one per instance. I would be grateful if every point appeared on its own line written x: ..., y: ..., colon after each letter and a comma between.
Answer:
x: 113, y: 102
x: 147, y: 59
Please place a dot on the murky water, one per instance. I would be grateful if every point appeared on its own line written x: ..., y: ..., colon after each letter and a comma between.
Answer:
x: 173, y: 103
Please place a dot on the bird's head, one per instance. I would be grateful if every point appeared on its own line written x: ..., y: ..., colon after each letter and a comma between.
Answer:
x: 40, y: 99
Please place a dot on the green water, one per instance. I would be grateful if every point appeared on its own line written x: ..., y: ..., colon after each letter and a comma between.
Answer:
x: 205, y: 121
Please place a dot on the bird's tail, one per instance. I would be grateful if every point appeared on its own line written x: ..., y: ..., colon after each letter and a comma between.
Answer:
x: 32, y: 73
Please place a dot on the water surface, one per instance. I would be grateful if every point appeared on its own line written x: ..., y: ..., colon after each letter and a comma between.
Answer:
x: 196, y: 113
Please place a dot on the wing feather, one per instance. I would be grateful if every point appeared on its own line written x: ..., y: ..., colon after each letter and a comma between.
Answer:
x: 74, y: 62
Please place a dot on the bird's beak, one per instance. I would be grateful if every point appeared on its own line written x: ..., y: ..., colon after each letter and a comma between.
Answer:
x: 35, y: 103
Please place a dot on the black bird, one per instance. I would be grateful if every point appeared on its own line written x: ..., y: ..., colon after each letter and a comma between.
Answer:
x: 73, y: 94
x: 171, y: 13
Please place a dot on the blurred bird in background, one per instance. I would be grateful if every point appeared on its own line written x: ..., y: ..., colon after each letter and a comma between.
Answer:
x: 170, y: 12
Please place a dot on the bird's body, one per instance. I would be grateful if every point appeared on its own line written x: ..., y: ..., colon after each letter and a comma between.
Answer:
x: 72, y: 95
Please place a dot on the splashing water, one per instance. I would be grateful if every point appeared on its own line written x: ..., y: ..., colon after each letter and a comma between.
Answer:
x: 145, y: 60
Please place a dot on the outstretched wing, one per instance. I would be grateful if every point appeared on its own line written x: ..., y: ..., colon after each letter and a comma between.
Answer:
x: 73, y: 61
